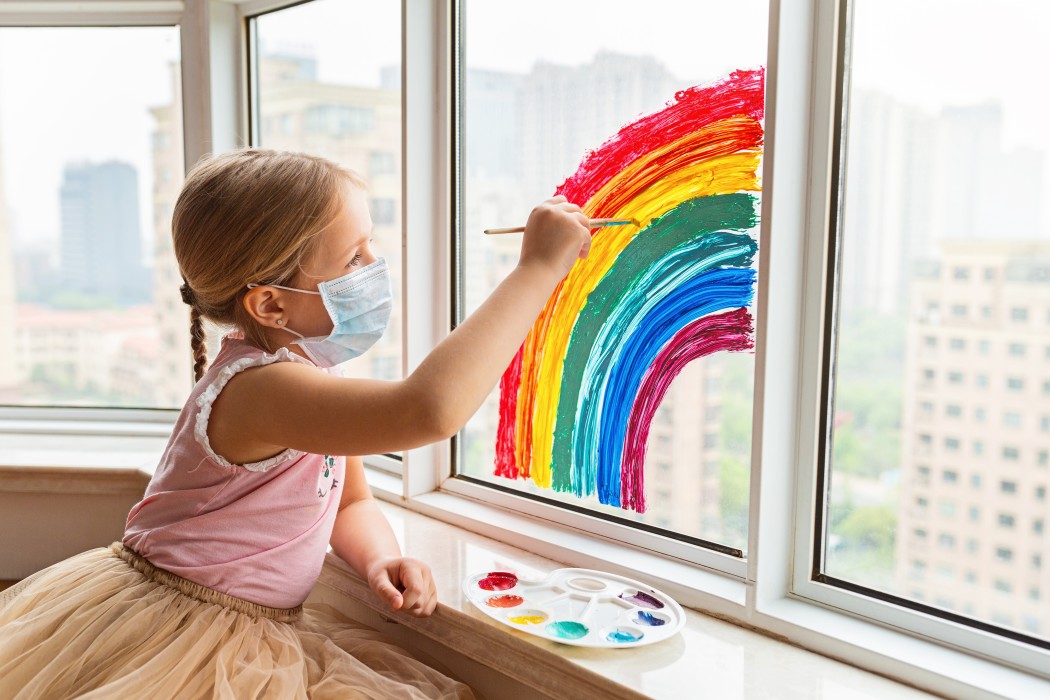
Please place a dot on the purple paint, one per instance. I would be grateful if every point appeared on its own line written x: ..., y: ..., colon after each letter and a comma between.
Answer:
x: 642, y: 600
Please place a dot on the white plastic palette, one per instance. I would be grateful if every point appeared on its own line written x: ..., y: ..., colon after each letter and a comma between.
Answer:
x: 578, y: 606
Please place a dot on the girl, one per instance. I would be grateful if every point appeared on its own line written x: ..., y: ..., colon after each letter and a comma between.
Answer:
x: 204, y: 596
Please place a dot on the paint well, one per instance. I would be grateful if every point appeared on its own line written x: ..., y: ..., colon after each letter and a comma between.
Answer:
x: 567, y: 629
x: 504, y: 601
x: 623, y: 635
x: 649, y: 619
x: 529, y: 617
x: 498, y: 581
x: 642, y: 600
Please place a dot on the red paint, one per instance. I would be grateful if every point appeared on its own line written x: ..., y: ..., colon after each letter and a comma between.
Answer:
x: 727, y: 331
x: 504, y: 601
x: 498, y: 581
x: 741, y: 94
x: 697, y: 110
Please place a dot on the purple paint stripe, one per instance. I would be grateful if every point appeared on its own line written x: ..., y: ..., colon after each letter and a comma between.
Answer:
x: 732, y: 330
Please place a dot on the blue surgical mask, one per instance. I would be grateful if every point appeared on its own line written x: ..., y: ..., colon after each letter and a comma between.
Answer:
x: 359, y: 304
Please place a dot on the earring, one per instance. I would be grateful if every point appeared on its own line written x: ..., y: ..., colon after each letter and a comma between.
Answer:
x: 280, y: 321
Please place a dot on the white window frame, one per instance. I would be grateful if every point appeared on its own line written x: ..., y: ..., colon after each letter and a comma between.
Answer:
x: 773, y: 590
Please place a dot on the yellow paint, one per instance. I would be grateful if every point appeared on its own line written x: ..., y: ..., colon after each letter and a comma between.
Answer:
x: 549, y: 338
x: 527, y: 619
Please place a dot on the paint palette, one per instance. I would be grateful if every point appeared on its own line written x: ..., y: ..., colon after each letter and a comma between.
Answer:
x: 578, y: 606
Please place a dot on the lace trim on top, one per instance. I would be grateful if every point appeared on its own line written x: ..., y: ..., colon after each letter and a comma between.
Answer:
x: 208, y: 396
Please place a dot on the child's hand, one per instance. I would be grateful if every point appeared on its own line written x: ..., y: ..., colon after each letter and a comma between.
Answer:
x: 556, y: 234
x: 405, y: 584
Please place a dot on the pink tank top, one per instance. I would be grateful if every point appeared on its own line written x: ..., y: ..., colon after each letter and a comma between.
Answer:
x: 256, y: 531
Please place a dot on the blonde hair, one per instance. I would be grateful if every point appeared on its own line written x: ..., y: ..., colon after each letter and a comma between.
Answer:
x: 245, y: 216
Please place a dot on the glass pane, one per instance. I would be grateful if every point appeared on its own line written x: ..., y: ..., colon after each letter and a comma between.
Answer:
x: 90, y: 165
x: 942, y: 385
x: 322, y: 93
x: 636, y: 405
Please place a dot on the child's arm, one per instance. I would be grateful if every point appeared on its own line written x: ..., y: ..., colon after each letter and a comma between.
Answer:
x: 363, y: 539
x: 285, y: 404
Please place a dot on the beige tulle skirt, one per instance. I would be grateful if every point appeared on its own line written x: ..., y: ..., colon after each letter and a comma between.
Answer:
x: 106, y: 624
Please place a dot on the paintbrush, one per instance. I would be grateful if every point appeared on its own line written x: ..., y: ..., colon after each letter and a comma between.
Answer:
x: 591, y: 223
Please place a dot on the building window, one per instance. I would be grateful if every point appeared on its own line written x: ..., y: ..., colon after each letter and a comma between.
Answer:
x: 983, y: 347
x: 961, y: 273
x: 1011, y: 454
x: 953, y: 410
x: 1017, y: 349
x: 1006, y: 520
x: 1004, y: 554
x: 950, y: 477
x: 946, y: 541
x: 1008, y: 486
x: 975, y: 514
x: 975, y: 481
x: 957, y: 344
x: 951, y: 443
x: 959, y: 310
x: 955, y: 378
x: 1012, y: 419
x: 1015, y: 383
x: 1019, y: 313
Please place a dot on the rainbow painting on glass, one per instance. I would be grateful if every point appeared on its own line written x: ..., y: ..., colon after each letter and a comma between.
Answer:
x: 578, y: 399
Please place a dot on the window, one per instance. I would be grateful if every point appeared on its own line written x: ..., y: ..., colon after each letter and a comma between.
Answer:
x: 888, y: 127
x: 531, y: 112
x: 89, y: 289
x: 319, y: 93
x: 1006, y: 520
x: 1004, y: 553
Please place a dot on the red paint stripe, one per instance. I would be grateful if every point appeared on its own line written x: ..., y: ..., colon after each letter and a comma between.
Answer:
x: 727, y: 331
x: 741, y: 94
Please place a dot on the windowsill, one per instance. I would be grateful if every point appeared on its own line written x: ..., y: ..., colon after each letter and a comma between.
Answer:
x: 726, y: 660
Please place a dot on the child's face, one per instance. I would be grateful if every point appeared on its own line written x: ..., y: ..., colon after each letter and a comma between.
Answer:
x: 345, y: 247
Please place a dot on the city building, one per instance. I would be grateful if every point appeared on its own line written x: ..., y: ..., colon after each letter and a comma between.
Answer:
x: 101, y: 248
x: 973, y: 510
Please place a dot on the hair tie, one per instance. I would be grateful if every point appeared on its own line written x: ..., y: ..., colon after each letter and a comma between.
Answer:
x: 187, y: 294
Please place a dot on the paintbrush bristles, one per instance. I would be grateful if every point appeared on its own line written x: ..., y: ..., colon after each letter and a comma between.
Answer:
x: 593, y: 223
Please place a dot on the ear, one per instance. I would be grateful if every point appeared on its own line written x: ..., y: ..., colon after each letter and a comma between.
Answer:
x: 265, y: 305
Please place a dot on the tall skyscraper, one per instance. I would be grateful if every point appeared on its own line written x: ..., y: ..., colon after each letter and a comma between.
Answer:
x: 101, y: 249
x: 973, y: 511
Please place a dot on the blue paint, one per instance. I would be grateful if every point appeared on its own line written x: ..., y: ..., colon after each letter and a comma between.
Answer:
x: 649, y: 619
x: 623, y: 635
x: 638, y: 345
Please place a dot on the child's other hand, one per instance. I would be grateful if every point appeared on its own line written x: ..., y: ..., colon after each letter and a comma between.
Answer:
x: 556, y: 235
x: 405, y: 584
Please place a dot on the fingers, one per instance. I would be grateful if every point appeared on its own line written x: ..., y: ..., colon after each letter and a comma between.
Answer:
x: 420, y: 593
x: 386, y: 590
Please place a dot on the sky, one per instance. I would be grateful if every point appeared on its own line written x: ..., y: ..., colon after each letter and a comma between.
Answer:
x: 102, y: 81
